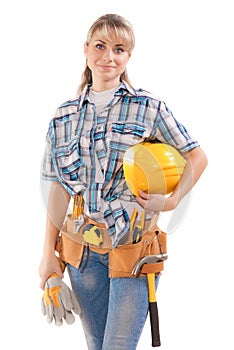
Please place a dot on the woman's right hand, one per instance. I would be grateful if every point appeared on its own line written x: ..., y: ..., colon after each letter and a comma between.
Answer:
x: 49, y: 264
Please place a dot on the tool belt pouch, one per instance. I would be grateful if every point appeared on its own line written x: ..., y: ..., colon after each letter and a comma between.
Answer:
x: 122, y: 259
x: 69, y: 250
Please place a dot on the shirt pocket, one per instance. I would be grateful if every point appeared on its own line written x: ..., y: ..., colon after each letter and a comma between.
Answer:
x: 69, y: 162
x: 124, y: 135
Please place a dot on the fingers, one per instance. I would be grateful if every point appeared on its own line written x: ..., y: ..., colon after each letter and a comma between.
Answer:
x: 151, y: 202
x: 43, y: 307
x: 42, y: 283
x: 50, y: 264
x: 142, y: 199
x: 76, y: 305
x: 143, y: 194
x: 44, y: 279
x: 59, y: 272
x: 69, y: 317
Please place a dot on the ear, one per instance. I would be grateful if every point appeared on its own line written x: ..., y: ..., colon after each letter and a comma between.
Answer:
x: 85, y: 49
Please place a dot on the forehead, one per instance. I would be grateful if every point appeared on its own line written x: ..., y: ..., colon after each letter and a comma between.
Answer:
x: 112, y: 37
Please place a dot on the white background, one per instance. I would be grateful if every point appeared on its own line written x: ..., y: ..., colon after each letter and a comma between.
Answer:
x: 184, y: 54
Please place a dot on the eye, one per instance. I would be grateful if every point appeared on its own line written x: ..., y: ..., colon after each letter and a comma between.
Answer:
x: 119, y: 50
x: 100, y: 46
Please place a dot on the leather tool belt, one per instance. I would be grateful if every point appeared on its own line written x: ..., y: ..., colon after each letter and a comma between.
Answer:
x: 122, y: 259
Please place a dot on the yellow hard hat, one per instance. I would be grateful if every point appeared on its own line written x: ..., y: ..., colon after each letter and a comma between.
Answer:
x: 152, y: 168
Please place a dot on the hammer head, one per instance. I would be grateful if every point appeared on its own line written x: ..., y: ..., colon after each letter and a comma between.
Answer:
x: 150, y: 259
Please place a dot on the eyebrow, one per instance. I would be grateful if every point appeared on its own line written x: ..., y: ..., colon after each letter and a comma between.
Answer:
x: 103, y: 42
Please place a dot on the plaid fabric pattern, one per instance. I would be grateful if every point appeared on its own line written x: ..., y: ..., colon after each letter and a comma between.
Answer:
x: 84, y: 150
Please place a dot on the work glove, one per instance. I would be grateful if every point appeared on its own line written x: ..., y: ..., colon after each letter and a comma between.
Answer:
x: 59, y: 302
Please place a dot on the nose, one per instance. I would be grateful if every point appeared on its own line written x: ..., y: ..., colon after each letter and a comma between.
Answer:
x: 108, y: 57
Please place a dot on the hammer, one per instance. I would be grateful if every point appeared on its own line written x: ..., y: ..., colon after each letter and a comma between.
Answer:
x: 148, y: 264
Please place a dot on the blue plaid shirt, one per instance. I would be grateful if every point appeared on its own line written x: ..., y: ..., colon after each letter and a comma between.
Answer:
x: 84, y: 151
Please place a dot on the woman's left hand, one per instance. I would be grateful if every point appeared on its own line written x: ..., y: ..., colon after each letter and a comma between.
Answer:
x: 154, y: 202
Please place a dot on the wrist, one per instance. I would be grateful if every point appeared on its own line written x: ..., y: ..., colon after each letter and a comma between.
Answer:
x: 49, y: 251
x: 50, y: 245
x: 170, y: 203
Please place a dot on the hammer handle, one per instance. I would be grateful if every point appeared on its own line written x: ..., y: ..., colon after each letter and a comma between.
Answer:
x: 153, y: 310
x: 154, y: 321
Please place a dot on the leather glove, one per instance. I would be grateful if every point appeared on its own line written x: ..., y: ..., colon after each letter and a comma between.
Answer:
x: 59, y: 301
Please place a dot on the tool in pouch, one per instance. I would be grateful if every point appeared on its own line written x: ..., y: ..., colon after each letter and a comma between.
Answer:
x: 77, y: 211
x: 137, y: 229
x: 91, y: 233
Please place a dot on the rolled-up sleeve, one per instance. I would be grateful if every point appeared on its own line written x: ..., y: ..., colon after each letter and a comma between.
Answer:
x: 48, y: 172
x: 171, y: 131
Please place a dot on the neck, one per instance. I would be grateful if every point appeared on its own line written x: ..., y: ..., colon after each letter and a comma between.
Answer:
x: 99, y: 86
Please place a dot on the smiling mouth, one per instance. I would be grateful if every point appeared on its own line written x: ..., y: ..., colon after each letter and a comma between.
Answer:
x: 106, y: 67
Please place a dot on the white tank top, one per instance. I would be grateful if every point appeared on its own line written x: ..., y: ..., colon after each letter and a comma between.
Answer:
x: 101, y: 99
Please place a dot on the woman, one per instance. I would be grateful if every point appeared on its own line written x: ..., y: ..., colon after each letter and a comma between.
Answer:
x: 85, y: 145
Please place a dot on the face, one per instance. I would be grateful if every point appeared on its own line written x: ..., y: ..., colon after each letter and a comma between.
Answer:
x: 107, y: 59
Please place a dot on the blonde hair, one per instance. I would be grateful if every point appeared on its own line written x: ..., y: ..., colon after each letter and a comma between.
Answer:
x: 107, y: 24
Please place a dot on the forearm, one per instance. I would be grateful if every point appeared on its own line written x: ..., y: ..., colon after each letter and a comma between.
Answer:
x: 51, y: 236
x: 58, y: 202
x: 56, y: 210
x: 196, y: 162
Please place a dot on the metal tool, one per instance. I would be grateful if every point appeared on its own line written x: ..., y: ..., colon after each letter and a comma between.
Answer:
x: 150, y: 259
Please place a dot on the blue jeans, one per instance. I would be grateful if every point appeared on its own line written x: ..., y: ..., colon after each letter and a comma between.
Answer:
x: 113, y: 311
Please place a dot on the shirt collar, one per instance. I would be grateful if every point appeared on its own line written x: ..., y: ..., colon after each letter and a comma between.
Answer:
x: 84, y: 96
x: 124, y: 87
